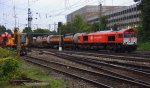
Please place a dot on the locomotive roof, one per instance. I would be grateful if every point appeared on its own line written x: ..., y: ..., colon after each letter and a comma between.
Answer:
x: 109, y: 31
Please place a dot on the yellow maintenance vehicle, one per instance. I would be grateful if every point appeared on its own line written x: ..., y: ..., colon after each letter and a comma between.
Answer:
x: 21, y: 42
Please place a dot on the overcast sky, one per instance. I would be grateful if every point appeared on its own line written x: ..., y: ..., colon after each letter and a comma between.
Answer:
x: 46, y: 12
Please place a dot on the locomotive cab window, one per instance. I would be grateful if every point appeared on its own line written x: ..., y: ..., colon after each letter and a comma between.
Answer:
x: 85, y: 38
x: 133, y: 35
x: 111, y: 38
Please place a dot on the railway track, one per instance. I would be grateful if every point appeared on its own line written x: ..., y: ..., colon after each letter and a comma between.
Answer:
x: 100, y: 65
x: 118, y: 56
x: 140, y: 54
x: 116, y: 61
x: 100, y: 79
x: 121, y: 56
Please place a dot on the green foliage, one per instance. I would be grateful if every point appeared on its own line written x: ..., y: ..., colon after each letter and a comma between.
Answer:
x: 6, y: 53
x: 9, y: 31
x: 103, y: 23
x: 140, y: 33
x: 38, y: 73
x: 144, y: 7
x: 144, y: 45
x: 27, y: 30
x: 67, y: 28
x: 56, y: 84
x: 39, y: 30
x: 77, y: 25
x: 2, y: 29
x: 95, y: 26
x: 9, y: 68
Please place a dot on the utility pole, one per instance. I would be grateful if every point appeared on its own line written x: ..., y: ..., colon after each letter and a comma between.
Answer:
x: 29, y: 15
x: 100, y: 15
x: 29, y: 24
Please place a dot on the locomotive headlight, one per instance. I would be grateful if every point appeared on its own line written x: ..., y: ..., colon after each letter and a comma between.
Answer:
x: 134, y: 43
x: 125, y: 43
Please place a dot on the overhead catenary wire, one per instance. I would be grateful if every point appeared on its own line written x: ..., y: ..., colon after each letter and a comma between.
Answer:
x: 52, y: 14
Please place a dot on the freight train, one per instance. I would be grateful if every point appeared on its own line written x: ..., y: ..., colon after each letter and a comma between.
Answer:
x: 119, y: 41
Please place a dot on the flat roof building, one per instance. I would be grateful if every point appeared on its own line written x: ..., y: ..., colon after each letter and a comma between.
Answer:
x: 90, y: 12
x: 123, y: 17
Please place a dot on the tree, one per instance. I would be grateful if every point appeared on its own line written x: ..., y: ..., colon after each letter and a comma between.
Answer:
x: 2, y: 29
x: 76, y: 26
x: 144, y: 7
x: 9, y: 31
x: 103, y: 23
x: 140, y: 33
x: 27, y: 30
x: 79, y: 25
x: 39, y: 30
x: 67, y: 28
x: 95, y: 26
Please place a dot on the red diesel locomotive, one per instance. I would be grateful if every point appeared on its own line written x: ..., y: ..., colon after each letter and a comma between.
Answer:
x: 123, y: 40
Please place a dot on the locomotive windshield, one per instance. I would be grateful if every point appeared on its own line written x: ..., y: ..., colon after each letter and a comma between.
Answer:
x: 128, y: 35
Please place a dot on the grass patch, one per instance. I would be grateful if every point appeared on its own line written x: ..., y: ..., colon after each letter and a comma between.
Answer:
x: 41, y: 74
x: 11, y: 67
x: 144, y: 46
x: 4, y: 53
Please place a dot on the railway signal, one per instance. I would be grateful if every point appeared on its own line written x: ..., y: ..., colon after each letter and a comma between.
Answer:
x: 59, y: 31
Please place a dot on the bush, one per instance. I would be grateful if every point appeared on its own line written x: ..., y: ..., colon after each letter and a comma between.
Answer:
x: 4, y: 53
x: 144, y: 46
x: 9, y: 68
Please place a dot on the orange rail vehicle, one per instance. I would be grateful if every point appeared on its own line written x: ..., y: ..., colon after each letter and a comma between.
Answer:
x: 123, y: 40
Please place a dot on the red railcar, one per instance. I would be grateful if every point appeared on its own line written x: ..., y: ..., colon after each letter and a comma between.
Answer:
x: 125, y: 39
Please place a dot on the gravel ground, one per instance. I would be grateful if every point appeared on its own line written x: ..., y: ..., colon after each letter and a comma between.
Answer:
x: 72, y: 83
